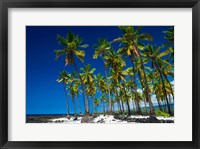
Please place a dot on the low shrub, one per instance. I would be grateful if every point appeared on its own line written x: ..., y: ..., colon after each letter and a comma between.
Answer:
x: 161, y: 113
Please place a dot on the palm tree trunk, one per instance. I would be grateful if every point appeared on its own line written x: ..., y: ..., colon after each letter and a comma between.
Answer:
x: 168, y: 83
x: 74, y: 106
x: 103, y: 107
x: 159, y: 105
x: 148, y: 97
x: 113, y: 107
x: 67, y: 104
x: 118, y: 101
x: 108, y: 87
x: 145, y: 105
x: 84, y: 91
x: 127, y: 103
x: 135, y: 85
x: 133, y: 105
x: 93, y: 103
x: 79, y: 106
x: 122, y: 105
x: 139, y: 112
x: 163, y: 85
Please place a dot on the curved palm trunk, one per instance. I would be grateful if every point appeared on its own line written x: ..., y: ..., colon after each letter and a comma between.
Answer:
x: 158, y: 100
x: 148, y: 97
x: 108, y: 87
x: 67, y: 104
x: 134, y: 78
x: 169, y: 84
x: 163, y: 85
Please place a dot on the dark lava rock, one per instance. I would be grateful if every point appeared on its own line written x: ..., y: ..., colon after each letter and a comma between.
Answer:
x: 68, y: 116
x: 153, y: 119
x: 87, y: 119
x: 75, y: 119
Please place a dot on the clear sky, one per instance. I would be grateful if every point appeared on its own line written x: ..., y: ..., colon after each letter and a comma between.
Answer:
x: 43, y: 94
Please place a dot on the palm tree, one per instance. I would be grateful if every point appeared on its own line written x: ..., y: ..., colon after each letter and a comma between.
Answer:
x: 127, y: 98
x: 88, y: 79
x: 169, y: 35
x: 64, y: 77
x: 101, y: 49
x: 73, y: 93
x: 114, y: 60
x: 76, y: 82
x: 131, y: 39
x: 72, y: 48
x: 133, y: 86
x: 154, y: 54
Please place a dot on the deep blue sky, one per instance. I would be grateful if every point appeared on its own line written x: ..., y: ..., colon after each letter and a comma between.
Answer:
x: 43, y: 94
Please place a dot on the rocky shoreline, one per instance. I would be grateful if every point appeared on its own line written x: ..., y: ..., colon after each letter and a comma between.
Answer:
x: 100, y: 119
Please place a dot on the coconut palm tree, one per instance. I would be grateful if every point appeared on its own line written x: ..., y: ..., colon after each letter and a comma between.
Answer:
x: 169, y: 35
x: 132, y: 40
x: 72, y: 92
x: 76, y: 82
x: 133, y: 86
x: 64, y: 77
x: 101, y: 49
x: 114, y: 60
x: 88, y: 79
x: 72, y: 48
x: 155, y: 55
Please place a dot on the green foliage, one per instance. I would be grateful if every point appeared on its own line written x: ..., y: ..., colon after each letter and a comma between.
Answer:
x: 161, y: 113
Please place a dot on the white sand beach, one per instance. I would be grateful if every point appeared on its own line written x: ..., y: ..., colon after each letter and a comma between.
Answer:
x: 107, y: 119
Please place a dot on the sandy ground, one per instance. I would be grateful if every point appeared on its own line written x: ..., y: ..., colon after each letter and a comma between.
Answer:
x: 103, y: 119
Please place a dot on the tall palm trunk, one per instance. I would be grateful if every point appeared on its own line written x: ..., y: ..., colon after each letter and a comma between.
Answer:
x: 108, y: 87
x: 103, y: 107
x: 138, y: 106
x: 74, y: 105
x: 84, y: 91
x: 163, y: 86
x: 134, y: 78
x: 127, y: 103
x: 145, y: 105
x: 168, y: 83
x: 79, y: 106
x: 113, y: 107
x: 93, y: 105
x: 159, y: 104
x: 148, y: 97
x: 67, y: 104
x: 158, y: 100
x: 118, y: 101
x: 133, y: 105
x: 122, y: 105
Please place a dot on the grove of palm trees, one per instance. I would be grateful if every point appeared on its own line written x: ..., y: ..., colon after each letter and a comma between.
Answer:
x: 137, y: 80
